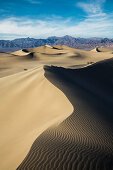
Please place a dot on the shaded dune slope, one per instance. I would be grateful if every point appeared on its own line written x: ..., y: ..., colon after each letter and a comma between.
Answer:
x: 84, y: 140
x: 31, y: 56
x: 30, y: 104
x: 100, y: 49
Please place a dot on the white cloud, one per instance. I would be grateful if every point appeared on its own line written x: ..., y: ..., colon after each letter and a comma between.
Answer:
x: 33, y: 1
x: 93, y: 7
x: 89, y: 8
x: 26, y: 27
x: 96, y: 24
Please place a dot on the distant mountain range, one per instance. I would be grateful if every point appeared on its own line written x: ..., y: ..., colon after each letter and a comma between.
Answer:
x: 80, y: 43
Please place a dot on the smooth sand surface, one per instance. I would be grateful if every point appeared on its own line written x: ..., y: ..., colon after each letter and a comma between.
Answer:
x: 29, y: 105
x: 60, y: 56
x: 20, y: 53
x: 56, y: 117
x: 94, y: 50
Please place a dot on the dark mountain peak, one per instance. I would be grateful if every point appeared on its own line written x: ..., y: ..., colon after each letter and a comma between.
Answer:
x: 80, y: 43
x: 24, y: 39
x: 53, y: 38
x: 67, y: 37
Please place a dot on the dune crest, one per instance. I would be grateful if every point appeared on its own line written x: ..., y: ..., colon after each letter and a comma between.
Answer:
x: 30, y: 104
x: 101, y: 49
x: 83, y: 141
x: 20, y: 53
x: 56, y: 109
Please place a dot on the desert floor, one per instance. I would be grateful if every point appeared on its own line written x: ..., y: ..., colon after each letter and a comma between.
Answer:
x: 56, y: 109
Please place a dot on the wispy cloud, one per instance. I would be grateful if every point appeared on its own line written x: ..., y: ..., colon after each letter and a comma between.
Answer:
x: 34, y: 1
x: 92, y: 7
x: 89, y: 8
x: 43, y: 28
x: 96, y: 24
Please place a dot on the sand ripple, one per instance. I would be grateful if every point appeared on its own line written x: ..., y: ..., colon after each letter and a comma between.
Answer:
x: 84, y: 140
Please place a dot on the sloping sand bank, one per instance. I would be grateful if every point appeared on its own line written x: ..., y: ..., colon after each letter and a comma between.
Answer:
x: 60, y: 56
x: 84, y: 140
x: 101, y: 49
x: 20, y: 53
x: 56, y: 117
x: 29, y: 105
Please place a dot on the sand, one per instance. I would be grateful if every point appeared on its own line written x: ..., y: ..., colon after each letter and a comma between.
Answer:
x: 20, y: 53
x: 29, y: 105
x: 56, y: 110
x: 101, y: 49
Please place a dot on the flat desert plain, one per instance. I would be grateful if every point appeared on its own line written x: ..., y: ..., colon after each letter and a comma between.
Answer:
x: 56, y: 109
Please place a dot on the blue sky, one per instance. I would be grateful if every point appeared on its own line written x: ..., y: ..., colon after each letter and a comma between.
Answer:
x: 45, y: 18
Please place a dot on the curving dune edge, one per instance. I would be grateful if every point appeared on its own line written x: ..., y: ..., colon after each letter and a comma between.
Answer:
x: 30, y: 104
x: 56, y: 109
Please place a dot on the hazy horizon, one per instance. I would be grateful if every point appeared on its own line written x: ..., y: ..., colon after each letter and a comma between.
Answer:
x: 56, y: 37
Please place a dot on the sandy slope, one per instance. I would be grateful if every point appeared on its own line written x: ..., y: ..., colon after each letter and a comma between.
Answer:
x: 11, y: 64
x: 20, y: 53
x: 84, y: 141
x: 34, y: 101
x: 94, y: 50
x: 29, y: 105
x: 60, y: 56
x: 101, y: 49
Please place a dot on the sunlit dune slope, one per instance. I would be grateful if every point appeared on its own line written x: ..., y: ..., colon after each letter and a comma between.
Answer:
x: 30, y: 104
x: 20, y: 53
x: 84, y: 140
x: 66, y: 57
x: 56, y: 109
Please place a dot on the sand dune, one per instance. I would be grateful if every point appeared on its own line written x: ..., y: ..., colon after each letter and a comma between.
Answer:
x: 84, y: 140
x: 56, y: 117
x: 94, y: 50
x: 30, y: 104
x: 101, y: 49
x: 68, y: 57
x: 20, y: 53
x: 63, y: 47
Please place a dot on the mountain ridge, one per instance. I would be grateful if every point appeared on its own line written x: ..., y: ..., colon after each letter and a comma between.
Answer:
x: 80, y: 43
